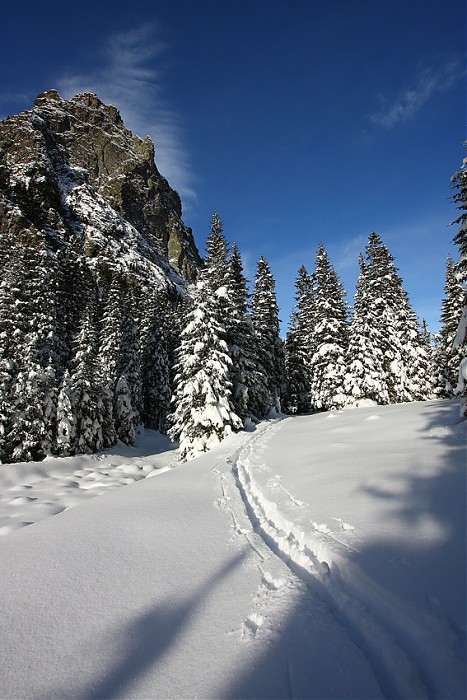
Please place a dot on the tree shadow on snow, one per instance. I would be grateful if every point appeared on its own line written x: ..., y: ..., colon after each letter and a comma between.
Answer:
x: 394, y: 569
x: 302, y: 659
x: 430, y: 556
x: 148, y: 637
x: 432, y: 499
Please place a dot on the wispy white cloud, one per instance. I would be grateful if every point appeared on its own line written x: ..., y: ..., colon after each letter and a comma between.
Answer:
x: 428, y: 83
x: 125, y: 76
x: 345, y: 255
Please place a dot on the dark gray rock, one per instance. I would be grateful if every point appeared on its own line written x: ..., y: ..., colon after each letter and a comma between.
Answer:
x: 71, y: 172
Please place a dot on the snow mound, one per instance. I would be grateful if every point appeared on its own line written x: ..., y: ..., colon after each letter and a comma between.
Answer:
x: 33, y: 491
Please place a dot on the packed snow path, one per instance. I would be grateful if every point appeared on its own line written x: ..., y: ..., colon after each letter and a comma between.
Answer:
x: 319, y: 557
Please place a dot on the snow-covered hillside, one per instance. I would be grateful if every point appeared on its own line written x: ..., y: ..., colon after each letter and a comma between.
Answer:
x: 318, y: 557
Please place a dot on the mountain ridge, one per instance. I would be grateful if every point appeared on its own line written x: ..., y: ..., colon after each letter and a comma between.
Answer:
x: 60, y: 154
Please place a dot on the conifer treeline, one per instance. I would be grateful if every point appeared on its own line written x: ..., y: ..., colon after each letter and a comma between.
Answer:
x: 85, y: 361
x: 378, y: 355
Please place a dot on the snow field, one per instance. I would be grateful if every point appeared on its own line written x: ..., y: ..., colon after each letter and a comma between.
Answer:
x: 320, y: 557
x: 163, y: 590
x: 394, y: 671
x: 414, y: 646
x: 32, y: 491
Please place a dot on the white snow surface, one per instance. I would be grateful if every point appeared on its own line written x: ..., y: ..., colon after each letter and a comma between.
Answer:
x: 317, y: 557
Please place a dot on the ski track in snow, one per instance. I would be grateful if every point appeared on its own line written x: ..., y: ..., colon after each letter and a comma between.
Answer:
x: 274, y: 586
x: 408, y: 650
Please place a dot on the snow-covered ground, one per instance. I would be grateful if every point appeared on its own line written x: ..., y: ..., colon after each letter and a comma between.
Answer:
x: 317, y: 557
x: 32, y: 491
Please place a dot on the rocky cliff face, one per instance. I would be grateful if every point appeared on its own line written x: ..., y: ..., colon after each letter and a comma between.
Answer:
x: 70, y: 172
x: 94, y: 258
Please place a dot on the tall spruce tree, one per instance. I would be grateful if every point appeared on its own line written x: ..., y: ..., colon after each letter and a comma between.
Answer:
x: 87, y: 395
x: 271, y: 385
x: 459, y: 182
x: 32, y: 427
x: 416, y: 357
x: 155, y: 365
x: 297, y: 345
x: 387, y: 362
x: 109, y: 343
x: 329, y: 337
x: 217, y: 253
x: 120, y: 362
x: 203, y: 413
x: 241, y: 340
x: 11, y: 335
x: 366, y: 375
x: 128, y: 388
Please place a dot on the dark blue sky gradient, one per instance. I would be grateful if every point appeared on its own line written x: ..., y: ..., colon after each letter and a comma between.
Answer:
x: 299, y: 121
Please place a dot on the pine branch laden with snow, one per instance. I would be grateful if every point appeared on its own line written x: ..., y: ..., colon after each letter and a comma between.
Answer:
x: 203, y: 414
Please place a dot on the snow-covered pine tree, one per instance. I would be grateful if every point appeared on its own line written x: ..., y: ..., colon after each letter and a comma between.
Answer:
x: 203, y: 413
x: 241, y: 340
x: 271, y: 385
x: 10, y: 341
x: 297, y: 346
x: 416, y: 357
x: 217, y: 254
x: 31, y: 434
x: 329, y: 336
x: 406, y: 358
x: 109, y: 344
x: 66, y: 418
x: 155, y: 365
x: 387, y: 361
x: 448, y: 357
x: 427, y: 340
x: 128, y: 387
x: 385, y: 286
x: 459, y: 181
x: 120, y: 362
x: 87, y: 394
x: 366, y: 373
x: 75, y: 287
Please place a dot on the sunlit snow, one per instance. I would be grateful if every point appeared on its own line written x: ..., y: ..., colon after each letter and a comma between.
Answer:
x: 318, y: 556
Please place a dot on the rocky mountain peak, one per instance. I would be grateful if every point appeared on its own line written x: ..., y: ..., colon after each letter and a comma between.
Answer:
x: 72, y: 173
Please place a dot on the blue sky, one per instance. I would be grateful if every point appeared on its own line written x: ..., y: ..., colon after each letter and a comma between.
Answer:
x: 299, y: 121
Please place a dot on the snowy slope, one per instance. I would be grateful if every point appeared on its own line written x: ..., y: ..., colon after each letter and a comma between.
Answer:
x: 370, y: 508
x: 32, y: 491
x: 183, y: 586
